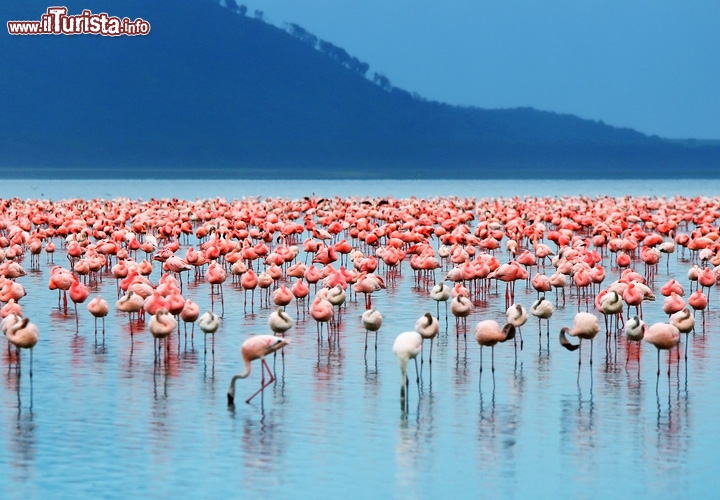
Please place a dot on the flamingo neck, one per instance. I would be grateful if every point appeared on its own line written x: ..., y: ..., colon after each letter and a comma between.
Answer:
x: 231, y: 389
x: 403, y: 372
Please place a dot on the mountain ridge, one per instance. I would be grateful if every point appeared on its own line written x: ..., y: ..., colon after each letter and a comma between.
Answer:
x: 211, y: 89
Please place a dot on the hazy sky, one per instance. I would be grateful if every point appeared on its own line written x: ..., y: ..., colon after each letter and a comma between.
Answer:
x: 653, y: 65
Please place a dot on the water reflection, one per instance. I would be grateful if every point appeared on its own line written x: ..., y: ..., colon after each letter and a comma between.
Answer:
x: 329, y: 369
x: 673, y: 429
x: 22, y: 440
x: 577, y: 431
x: 415, y: 441
x: 497, y: 430
x: 263, y: 445
x: 207, y: 373
x: 462, y: 371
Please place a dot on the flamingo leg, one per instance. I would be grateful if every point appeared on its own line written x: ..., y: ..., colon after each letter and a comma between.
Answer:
x: 263, y: 384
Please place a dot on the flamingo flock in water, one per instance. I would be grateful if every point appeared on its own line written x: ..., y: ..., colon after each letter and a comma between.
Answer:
x: 325, y: 253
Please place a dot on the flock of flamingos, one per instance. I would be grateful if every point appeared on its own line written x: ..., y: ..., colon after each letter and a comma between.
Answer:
x: 318, y: 252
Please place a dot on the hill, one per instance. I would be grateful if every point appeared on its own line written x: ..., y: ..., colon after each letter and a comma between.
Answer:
x: 209, y: 92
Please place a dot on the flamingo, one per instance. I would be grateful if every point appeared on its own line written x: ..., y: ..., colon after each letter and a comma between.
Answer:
x: 336, y: 296
x: 61, y: 279
x: 11, y: 307
x: 216, y: 275
x: 368, y: 284
x: 407, y: 346
x: 585, y: 326
x: 611, y: 304
x: 684, y: 322
x: 256, y: 347
x: 282, y: 296
x: 321, y: 311
x: 130, y: 303
x: 673, y: 303
x: 372, y: 321
x: 21, y: 333
x: 209, y: 323
x: 633, y: 297
x: 662, y: 336
x: 162, y: 324
x: 78, y: 294
x: 488, y: 333
x: 300, y: 291
x: 517, y: 315
x: 280, y: 321
x: 440, y: 293
x: 541, y: 283
x: 99, y: 308
x: 249, y: 281
x: 189, y: 314
x: 542, y: 309
x: 706, y: 279
x: 698, y: 300
x: 461, y: 307
x: 635, y: 331
x: 428, y: 327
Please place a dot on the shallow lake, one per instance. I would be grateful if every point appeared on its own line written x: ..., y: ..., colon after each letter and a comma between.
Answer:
x: 101, y: 419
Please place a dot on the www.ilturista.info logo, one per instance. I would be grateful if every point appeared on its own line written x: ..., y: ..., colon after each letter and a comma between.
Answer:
x: 57, y: 22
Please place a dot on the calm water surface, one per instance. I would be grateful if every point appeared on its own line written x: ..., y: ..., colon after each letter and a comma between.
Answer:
x: 101, y: 419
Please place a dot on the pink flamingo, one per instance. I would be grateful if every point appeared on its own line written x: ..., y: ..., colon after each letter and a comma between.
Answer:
x: 99, y: 308
x: 61, y: 279
x: 673, y: 303
x: 190, y: 314
x: 488, y: 333
x: 282, y: 296
x: 78, y: 294
x: 633, y: 297
x: 162, y: 324
x: 663, y: 336
x: 249, y: 281
x: 368, y: 284
x: 256, y: 347
x: 461, y: 307
x: 698, y: 300
x: 216, y: 275
x: 541, y: 283
x: 11, y: 307
x: 21, y: 333
x: 672, y: 286
x: 300, y: 291
x: 321, y: 311
x: 707, y: 279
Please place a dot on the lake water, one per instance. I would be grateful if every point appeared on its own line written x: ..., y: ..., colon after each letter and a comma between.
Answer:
x: 102, y: 419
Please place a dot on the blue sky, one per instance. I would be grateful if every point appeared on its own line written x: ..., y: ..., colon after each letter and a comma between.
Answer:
x: 652, y: 65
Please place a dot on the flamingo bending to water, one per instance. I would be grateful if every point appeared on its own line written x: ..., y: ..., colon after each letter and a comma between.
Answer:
x: 256, y: 347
